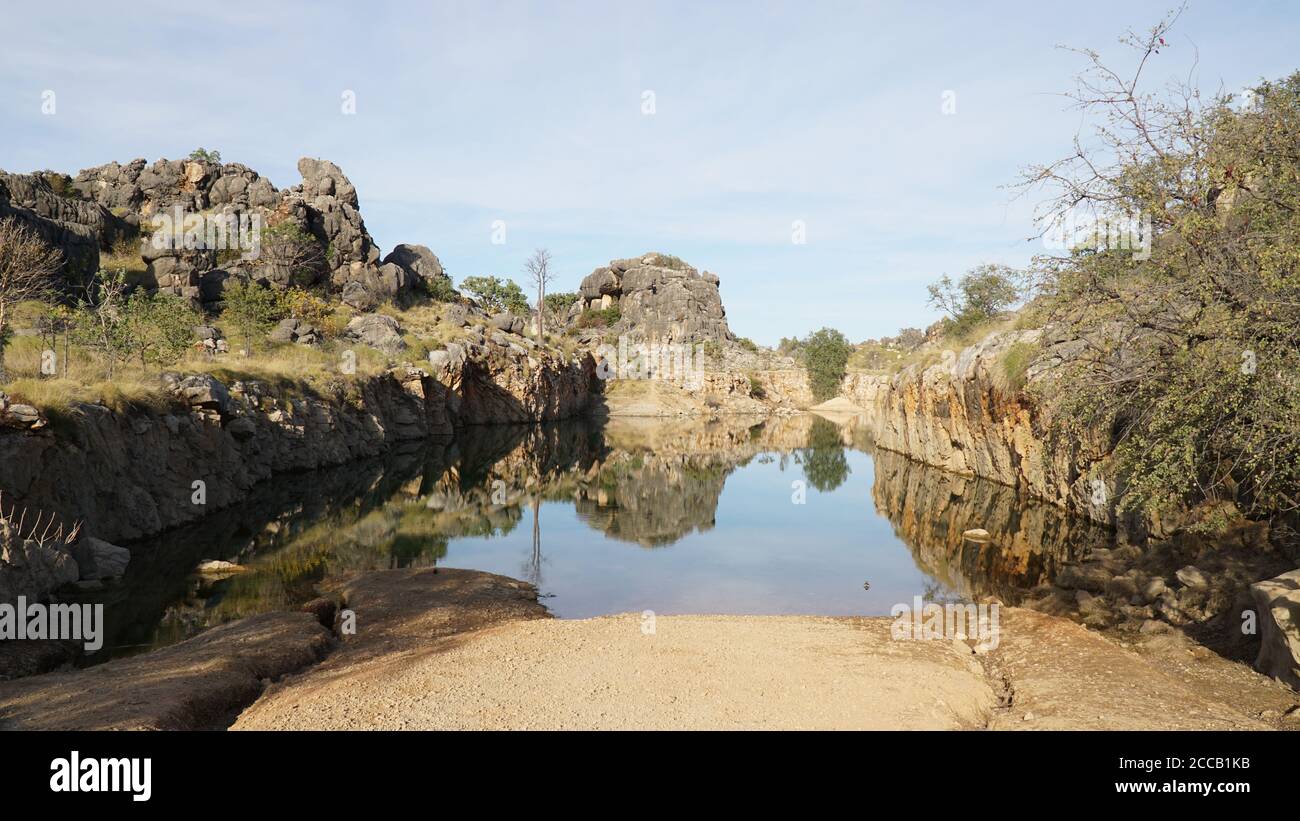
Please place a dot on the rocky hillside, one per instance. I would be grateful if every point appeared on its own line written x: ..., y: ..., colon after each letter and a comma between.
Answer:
x: 101, y: 207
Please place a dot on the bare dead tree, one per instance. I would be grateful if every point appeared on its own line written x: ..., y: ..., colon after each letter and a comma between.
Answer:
x: 27, y: 269
x: 288, y: 255
x: 538, y: 268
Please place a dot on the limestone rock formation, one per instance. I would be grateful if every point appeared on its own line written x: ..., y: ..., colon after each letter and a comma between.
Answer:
x: 1277, y: 602
x: 959, y: 416
x: 108, y: 203
x: 658, y: 297
x: 77, y: 228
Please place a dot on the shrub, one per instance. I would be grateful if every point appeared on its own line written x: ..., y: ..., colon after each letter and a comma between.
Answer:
x: 158, y: 328
x: 250, y: 309
x: 826, y: 356
x: 497, y: 294
x: 203, y: 155
x: 439, y: 289
x: 303, y: 304
x: 600, y: 317
x: 1014, y: 366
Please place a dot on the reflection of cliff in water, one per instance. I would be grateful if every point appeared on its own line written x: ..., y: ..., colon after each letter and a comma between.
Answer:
x: 930, y: 509
x: 643, y: 482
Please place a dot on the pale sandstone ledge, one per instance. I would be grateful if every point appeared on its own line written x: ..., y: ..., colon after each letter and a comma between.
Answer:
x: 461, y: 649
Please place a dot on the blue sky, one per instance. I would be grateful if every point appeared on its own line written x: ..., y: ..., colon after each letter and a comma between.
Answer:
x: 531, y: 113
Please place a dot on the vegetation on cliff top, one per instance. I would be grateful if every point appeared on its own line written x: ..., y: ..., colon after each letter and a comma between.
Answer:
x: 1187, y: 345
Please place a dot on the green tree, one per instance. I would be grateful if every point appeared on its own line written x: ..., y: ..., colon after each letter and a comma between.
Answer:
x: 497, y: 294
x: 203, y: 155
x: 826, y: 356
x: 250, y: 308
x: 982, y: 293
x: 560, y: 303
x: 158, y: 328
x: 1190, y: 339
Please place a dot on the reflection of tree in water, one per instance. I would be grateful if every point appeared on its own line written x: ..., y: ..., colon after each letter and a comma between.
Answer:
x: 533, y: 567
x: 825, y: 465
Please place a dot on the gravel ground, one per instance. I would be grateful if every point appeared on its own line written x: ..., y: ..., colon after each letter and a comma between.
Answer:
x: 466, y: 650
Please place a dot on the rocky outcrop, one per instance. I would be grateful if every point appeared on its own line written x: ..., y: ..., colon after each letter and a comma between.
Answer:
x: 134, y: 474
x: 78, y: 229
x: 1277, y: 603
x: 115, y: 201
x: 498, y: 378
x: 658, y: 297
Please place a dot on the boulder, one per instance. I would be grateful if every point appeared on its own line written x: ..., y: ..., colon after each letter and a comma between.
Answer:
x: 97, y: 559
x: 1191, y: 576
x: 659, y: 297
x: 508, y: 323
x: 377, y: 331
x: 358, y: 296
x: 203, y: 391
x: 292, y: 329
x: 1089, y: 576
x: 418, y: 262
x: 28, y: 568
x: 1277, y: 602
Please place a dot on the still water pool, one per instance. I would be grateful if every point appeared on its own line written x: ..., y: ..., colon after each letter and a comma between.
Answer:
x: 787, y: 515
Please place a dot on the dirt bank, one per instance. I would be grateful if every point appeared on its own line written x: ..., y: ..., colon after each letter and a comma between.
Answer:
x: 408, y: 667
x: 461, y: 649
x: 198, y: 684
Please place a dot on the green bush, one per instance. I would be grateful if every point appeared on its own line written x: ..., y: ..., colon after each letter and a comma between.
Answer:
x: 826, y: 356
x: 497, y: 294
x: 600, y: 317
x: 250, y: 309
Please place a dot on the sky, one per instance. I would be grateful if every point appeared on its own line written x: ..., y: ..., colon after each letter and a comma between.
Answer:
x: 601, y: 130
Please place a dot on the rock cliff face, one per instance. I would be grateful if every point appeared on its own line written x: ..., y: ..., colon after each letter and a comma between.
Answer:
x: 959, y: 416
x: 131, y: 475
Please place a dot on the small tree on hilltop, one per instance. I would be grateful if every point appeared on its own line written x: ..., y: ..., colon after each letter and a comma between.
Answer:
x: 826, y: 356
x: 538, y: 268
x: 27, y: 270
x: 981, y: 294
x: 497, y: 294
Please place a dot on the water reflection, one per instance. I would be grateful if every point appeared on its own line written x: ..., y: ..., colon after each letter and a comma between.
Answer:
x: 631, y: 515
